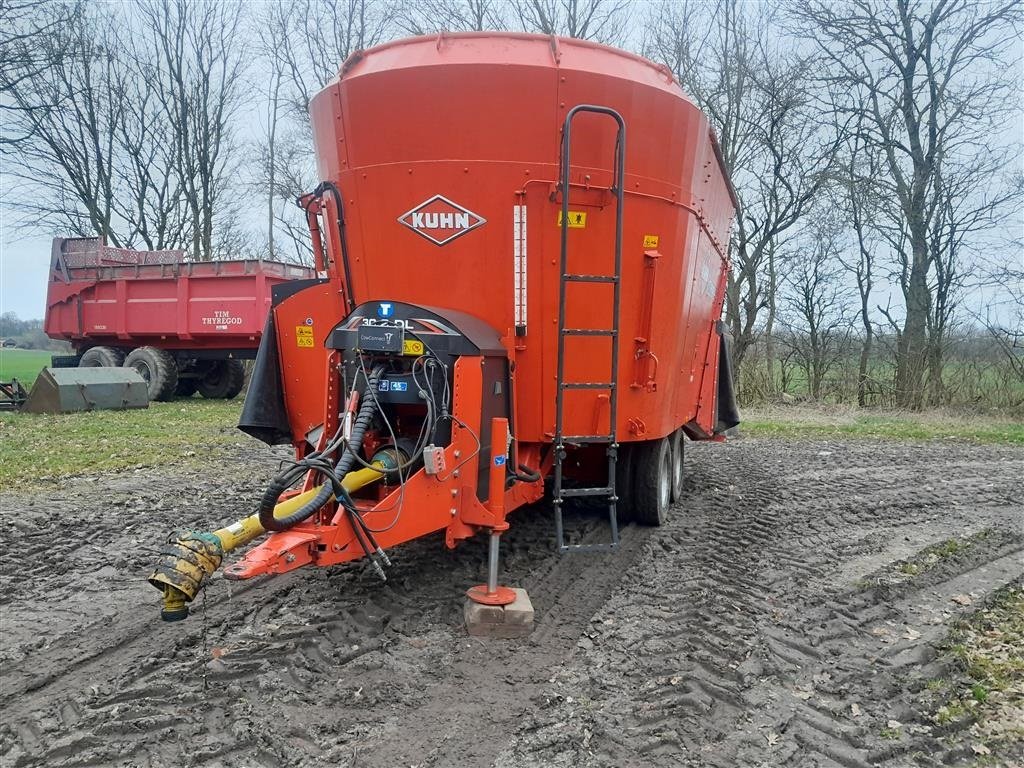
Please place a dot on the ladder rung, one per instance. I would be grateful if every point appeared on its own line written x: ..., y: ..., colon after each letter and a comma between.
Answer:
x: 590, y: 278
x: 588, y: 438
x: 589, y: 332
x: 586, y: 491
x: 588, y: 385
x: 588, y: 547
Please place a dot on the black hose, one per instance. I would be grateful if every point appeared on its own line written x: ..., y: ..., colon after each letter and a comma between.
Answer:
x: 281, y: 483
x: 527, y: 475
x: 342, y: 238
x: 524, y: 475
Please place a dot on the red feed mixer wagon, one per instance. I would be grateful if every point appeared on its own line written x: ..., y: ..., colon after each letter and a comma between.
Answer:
x: 525, y: 247
x: 184, y: 326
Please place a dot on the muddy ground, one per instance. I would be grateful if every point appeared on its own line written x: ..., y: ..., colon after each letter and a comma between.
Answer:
x: 762, y: 627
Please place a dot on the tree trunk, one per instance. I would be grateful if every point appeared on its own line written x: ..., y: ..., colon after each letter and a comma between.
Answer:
x: 913, y: 347
x: 862, y: 370
x: 769, y: 326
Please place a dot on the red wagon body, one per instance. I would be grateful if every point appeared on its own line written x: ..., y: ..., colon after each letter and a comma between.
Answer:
x: 123, y: 298
x: 525, y: 248
x: 120, y: 300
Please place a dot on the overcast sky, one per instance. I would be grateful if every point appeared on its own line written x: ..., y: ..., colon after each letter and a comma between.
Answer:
x: 25, y: 252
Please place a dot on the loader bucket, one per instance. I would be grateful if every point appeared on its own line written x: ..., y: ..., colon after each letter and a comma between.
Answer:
x: 65, y: 390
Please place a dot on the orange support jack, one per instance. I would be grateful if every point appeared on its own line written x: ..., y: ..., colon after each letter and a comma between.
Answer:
x: 490, y: 593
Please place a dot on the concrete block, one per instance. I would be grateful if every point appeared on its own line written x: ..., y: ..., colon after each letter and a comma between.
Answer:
x: 500, y: 621
x: 520, y: 611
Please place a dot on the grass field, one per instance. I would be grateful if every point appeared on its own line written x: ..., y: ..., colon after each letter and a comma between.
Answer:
x: 184, y: 432
x: 23, y: 364
x: 837, y: 421
x: 191, y: 432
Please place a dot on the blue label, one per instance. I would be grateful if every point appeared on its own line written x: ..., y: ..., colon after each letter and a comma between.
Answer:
x: 399, y: 386
x: 385, y: 309
x: 383, y: 386
x: 499, y: 461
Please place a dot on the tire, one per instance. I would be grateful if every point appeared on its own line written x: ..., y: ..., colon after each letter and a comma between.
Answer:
x: 624, y: 482
x: 159, y: 370
x: 186, y: 387
x: 224, y: 380
x: 101, y: 357
x: 652, y: 481
x: 678, y: 442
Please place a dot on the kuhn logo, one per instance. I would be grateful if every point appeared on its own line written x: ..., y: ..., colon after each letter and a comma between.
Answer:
x: 440, y: 220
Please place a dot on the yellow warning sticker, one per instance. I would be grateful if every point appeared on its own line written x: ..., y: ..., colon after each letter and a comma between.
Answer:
x: 303, y: 336
x: 577, y: 219
x: 412, y: 347
x: 650, y: 241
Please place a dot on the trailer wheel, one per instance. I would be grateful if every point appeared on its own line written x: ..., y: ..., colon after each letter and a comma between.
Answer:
x: 101, y: 357
x: 678, y: 441
x: 224, y: 380
x: 159, y: 370
x: 652, y: 478
x: 186, y: 387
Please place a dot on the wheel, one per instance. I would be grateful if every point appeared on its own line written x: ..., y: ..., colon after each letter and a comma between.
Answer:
x: 678, y: 442
x: 159, y: 370
x: 225, y: 379
x: 186, y: 387
x: 101, y: 357
x: 652, y: 481
x: 624, y: 482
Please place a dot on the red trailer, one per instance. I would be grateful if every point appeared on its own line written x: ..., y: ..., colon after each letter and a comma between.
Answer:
x: 185, y: 326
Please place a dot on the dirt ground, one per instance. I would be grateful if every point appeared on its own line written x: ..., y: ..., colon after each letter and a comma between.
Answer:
x: 768, y: 624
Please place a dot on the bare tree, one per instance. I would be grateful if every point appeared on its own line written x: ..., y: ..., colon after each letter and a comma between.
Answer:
x: 758, y: 99
x: 600, y: 20
x: 198, y: 70
x: 428, y: 16
x: 64, y: 117
x: 1005, y: 320
x: 815, y: 303
x: 305, y: 43
x: 855, y: 192
x: 25, y: 28
x: 912, y: 72
x: 127, y: 134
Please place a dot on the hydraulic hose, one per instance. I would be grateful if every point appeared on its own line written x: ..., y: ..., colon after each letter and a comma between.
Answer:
x: 343, y: 238
x: 282, y: 482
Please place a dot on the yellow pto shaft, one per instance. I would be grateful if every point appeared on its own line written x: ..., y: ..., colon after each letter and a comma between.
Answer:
x: 191, y: 556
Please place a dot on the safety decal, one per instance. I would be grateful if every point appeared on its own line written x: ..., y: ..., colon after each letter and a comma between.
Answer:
x: 303, y: 336
x: 499, y: 461
x: 412, y: 347
x: 650, y: 241
x: 577, y: 219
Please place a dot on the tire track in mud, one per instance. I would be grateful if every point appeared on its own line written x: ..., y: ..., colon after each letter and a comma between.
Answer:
x: 249, y: 660
x: 746, y: 650
x: 725, y: 638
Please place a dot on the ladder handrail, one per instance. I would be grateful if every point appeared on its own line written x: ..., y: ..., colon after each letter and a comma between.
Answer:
x: 618, y: 187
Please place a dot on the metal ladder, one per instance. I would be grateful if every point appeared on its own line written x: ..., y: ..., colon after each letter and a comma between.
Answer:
x: 607, y: 491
